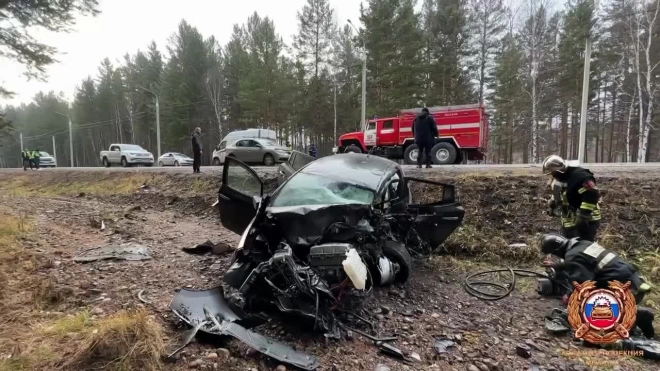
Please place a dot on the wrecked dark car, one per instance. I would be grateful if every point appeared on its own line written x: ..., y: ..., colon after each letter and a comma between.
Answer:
x: 339, y: 225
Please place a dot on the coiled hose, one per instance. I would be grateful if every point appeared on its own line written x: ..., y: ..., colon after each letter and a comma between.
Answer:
x: 472, y: 287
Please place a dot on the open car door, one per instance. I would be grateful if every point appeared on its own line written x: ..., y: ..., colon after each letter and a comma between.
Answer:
x: 438, y: 212
x: 236, y: 198
x: 295, y: 162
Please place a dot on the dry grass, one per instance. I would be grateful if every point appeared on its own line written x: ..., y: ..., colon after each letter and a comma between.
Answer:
x: 31, y: 341
x: 56, y: 184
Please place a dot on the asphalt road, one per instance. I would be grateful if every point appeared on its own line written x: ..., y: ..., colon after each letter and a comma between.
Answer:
x: 614, y: 169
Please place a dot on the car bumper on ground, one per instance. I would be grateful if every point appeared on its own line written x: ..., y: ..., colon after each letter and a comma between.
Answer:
x: 335, y: 149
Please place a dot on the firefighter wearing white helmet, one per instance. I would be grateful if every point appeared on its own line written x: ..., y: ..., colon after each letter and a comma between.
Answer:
x: 575, y: 193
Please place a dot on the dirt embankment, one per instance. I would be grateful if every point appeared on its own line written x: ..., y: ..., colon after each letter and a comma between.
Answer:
x: 55, y: 215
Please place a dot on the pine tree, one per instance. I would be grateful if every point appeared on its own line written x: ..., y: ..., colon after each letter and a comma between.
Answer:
x: 488, y: 24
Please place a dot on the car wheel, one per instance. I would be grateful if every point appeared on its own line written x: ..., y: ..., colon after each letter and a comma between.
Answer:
x: 410, y: 154
x: 443, y: 154
x: 124, y: 163
x: 160, y: 163
x: 398, y: 253
x: 106, y: 163
x: 216, y: 161
x: 176, y: 163
x: 353, y: 149
x: 269, y: 160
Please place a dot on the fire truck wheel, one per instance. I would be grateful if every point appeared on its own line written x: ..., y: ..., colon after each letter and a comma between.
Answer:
x: 443, y: 154
x: 353, y: 149
x: 410, y: 155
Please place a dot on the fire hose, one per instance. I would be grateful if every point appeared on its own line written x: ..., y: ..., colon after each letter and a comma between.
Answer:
x: 475, y: 287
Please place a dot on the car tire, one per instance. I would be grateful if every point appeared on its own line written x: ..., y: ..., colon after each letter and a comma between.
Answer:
x: 398, y: 253
x: 353, y: 149
x: 124, y: 163
x: 216, y: 161
x: 443, y: 154
x: 106, y: 163
x: 269, y: 160
x: 410, y: 155
x: 160, y: 163
x: 176, y: 163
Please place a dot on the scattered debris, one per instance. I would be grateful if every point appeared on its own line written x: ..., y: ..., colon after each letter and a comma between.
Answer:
x: 381, y: 367
x: 523, y: 350
x: 209, y: 312
x: 219, y: 248
x: 518, y: 246
x: 139, y: 295
x: 442, y: 344
x: 95, y: 222
x: 394, y: 352
x: 129, y: 251
x: 102, y: 225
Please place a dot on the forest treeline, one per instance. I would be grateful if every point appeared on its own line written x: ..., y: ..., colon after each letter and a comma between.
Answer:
x: 524, y: 60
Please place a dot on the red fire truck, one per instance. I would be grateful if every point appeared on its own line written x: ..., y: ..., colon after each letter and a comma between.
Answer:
x: 463, y: 135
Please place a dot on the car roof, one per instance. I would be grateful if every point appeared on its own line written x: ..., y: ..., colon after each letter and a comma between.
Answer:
x: 366, y: 170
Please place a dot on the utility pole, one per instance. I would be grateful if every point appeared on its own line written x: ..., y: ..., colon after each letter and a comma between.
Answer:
x: 585, y: 95
x: 335, y: 112
x: 20, y: 134
x: 54, y: 153
x: 70, y: 138
x: 157, y: 117
x: 364, y: 78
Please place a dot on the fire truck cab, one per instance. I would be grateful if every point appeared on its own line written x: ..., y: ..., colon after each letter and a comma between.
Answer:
x: 463, y: 135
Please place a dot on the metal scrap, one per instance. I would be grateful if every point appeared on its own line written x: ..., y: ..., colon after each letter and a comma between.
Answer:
x: 208, y: 311
x: 130, y: 251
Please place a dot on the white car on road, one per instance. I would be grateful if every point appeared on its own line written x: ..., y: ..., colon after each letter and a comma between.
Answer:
x: 174, y: 159
x: 126, y: 155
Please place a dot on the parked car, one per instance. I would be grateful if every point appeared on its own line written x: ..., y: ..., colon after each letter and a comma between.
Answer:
x: 218, y: 157
x: 174, y: 159
x: 46, y: 160
x: 126, y: 155
x: 338, y: 222
x: 257, y: 150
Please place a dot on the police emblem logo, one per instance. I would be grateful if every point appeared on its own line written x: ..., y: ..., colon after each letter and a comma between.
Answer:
x: 602, y: 316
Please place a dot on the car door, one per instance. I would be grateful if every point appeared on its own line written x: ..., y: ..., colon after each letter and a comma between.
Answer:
x: 115, y: 153
x: 240, y: 186
x: 170, y: 159
x: 254, y: 151
x: 436, y: 207
x: 296, y: 162
x: 242, y: 151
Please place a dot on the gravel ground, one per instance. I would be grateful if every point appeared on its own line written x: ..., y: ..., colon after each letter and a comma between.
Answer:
x: 432, y: 305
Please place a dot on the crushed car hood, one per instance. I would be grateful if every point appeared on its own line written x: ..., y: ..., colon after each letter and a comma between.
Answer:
x: 306, y: 225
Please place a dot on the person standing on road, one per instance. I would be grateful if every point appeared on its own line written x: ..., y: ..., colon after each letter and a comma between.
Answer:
x: 37, y: 158
x: 26, y: 159
x: 425, y: 130
x: 197, y: 149
x: 575, y: 192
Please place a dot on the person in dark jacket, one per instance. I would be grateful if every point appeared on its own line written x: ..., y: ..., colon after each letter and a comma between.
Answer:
x: 425, y: 130
x: 576, y: 193
x: 196, y: 148
x: 583, y: 260
x: 26, y: 159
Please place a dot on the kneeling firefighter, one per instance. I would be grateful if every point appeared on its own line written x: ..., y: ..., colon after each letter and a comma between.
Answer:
x: 583, y: 261
x: 575, y: 192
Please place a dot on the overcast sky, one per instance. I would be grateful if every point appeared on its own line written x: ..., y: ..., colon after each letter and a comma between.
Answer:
x: 128, y: 25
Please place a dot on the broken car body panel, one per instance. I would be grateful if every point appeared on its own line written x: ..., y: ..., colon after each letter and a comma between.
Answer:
x: 296, y: 161
x: 192, y: 307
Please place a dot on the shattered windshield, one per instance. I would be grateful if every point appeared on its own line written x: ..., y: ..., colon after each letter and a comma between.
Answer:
x: 311, y: 189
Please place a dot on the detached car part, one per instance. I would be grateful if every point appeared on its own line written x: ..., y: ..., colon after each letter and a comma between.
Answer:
x: 208, y: 311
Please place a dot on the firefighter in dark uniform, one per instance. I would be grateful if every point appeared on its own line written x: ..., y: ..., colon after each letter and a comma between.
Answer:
x: 584, y: 260
x: 576, y: 194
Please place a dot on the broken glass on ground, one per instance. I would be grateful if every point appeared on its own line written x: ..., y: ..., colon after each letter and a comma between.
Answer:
x: 129, y: 251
